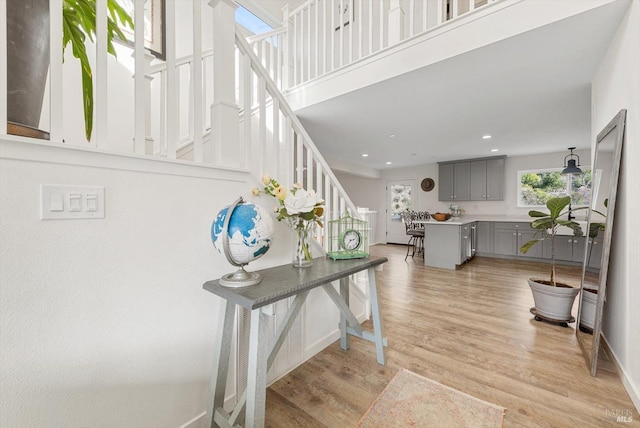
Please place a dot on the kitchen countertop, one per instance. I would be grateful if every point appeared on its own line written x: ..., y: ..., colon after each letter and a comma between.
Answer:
x: 468, y: 218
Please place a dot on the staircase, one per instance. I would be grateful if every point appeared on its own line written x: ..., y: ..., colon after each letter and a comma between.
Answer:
x: 173, y: 97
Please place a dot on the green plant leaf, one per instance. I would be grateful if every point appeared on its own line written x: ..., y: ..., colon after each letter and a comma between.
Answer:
x: 527, y: 245
x: 78, y: 23
x: 577, y: 229
x: 534, y: 213
x: 308, y: 216
x: 556, y: 205
x: 542, y: 223
x: 595, y: 228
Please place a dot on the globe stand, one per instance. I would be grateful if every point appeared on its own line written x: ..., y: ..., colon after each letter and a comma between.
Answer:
x: 240, y: 278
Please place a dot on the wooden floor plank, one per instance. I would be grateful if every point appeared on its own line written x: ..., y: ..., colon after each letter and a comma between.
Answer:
x: 469, y: 329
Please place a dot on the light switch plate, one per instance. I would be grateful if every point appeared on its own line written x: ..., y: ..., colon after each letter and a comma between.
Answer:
x: 58, y: 202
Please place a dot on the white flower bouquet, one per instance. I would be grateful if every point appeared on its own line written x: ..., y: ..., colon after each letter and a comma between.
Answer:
x: 301, y: 209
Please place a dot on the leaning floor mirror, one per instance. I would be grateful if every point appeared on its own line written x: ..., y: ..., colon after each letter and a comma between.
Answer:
x: 601, y: 216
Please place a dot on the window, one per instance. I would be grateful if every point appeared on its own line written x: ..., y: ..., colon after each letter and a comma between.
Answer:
x: 400, y: 200
x: 535, y: 187
x: 251, y: 22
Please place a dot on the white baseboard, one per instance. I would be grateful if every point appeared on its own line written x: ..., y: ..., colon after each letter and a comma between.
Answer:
x: 622, y: 374
x: 319, y: 345
x: 198, y: 421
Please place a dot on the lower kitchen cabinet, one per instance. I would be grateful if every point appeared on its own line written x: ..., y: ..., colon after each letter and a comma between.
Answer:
x: 594, y: 255
x: 567, y: 248
x: 503, y: 239
x: 509, y: 237
x: 484, y: 232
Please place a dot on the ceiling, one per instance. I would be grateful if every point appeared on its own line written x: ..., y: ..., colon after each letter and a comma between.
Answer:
x: 531, y: 93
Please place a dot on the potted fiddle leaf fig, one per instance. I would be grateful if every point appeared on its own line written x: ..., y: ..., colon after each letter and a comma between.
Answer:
x: 553, y: 299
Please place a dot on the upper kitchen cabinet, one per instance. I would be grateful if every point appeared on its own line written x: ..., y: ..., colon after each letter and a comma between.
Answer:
x: 454, y: 178
x: 472, y: 180
x: 487, y: 179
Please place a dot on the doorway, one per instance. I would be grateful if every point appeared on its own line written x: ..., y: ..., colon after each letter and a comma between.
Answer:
x: 399, y: 199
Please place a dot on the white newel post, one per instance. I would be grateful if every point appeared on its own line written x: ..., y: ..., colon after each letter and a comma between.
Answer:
x: 55, y: 72
x: 224, y: 111
x: 396, y: 23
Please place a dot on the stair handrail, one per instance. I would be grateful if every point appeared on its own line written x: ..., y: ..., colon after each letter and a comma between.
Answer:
x: 244, y: 47
x: 263, y: 36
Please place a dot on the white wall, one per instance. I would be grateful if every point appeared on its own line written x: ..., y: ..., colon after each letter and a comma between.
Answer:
x: 104, y: 322
x: 617, y: 86
x: 366, y: 193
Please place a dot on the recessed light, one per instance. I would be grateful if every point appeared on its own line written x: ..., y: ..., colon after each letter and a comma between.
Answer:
x: 495, y: 150
x: 392, y: 135
x: 364, y: 155
x: 486, y: 137
x: 388, y: 163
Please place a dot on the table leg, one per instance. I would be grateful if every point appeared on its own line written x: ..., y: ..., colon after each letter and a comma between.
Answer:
x: 257, y: 370
x: 345, y: 341
x: 375, y: 312
x: 224, y: 333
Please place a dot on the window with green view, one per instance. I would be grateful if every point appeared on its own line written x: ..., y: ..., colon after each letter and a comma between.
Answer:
x: 536, y: 187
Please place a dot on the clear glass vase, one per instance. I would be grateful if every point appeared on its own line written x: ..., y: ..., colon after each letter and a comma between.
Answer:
x: 303, y: 234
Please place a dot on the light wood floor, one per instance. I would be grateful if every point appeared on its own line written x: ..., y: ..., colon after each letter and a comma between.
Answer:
x: 469, y: 329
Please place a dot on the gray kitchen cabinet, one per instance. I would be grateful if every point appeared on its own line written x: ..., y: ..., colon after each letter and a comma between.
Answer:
x: 472, y: 180
x: 454, y: 181
x: 487, y: 180
x: 579, y: 243
x: 563, y: 248
x: 445, y: 182
x: 484, y: 232
x: 495, y: 180
x: 446, y: 246
x: 478, y: 185
x: 595, y: 252
x: 509, y: 237
x: 567, y: 248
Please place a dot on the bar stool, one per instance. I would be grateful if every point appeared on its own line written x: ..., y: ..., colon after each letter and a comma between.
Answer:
x: 415, y: 231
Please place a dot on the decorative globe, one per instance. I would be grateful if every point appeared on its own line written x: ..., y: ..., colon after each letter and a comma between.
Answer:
x: 250, y: 230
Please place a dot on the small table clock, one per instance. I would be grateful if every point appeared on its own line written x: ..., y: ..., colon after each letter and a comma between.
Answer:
x: 348, y: 238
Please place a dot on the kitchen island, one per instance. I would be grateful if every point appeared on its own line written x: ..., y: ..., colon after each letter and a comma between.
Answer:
x: 448, y: 244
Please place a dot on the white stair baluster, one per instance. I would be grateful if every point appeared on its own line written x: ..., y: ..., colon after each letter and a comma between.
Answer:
x: 56, y: 113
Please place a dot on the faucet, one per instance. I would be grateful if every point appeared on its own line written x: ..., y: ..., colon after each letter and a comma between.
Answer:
x: 569, y: 215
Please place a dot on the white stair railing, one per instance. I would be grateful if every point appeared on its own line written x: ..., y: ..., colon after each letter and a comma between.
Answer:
x: 165, y: 109
x: 317, y: 39
x: 279, y: 143
x: 168, y: 114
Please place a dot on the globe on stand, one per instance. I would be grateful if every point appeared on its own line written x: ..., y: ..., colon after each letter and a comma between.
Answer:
x: 242, y: 232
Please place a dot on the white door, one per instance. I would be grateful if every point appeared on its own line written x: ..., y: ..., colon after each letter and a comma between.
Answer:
x: 399, y: 199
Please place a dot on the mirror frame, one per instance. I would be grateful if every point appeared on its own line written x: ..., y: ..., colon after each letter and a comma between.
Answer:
x: 617, y: 124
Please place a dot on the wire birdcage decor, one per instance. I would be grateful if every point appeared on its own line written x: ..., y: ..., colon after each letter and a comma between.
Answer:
x: 348, y: 238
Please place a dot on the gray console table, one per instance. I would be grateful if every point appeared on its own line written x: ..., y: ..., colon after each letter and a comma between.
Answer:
x: 279, y: 283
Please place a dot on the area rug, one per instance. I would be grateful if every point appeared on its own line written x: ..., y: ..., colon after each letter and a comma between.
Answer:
x: 411, y: 400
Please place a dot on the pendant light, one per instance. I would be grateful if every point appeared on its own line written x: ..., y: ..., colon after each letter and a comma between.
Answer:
x: 570, y: 166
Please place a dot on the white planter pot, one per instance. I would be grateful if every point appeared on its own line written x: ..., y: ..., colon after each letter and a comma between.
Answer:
x: 553, y: 303
x: 588, y: 311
